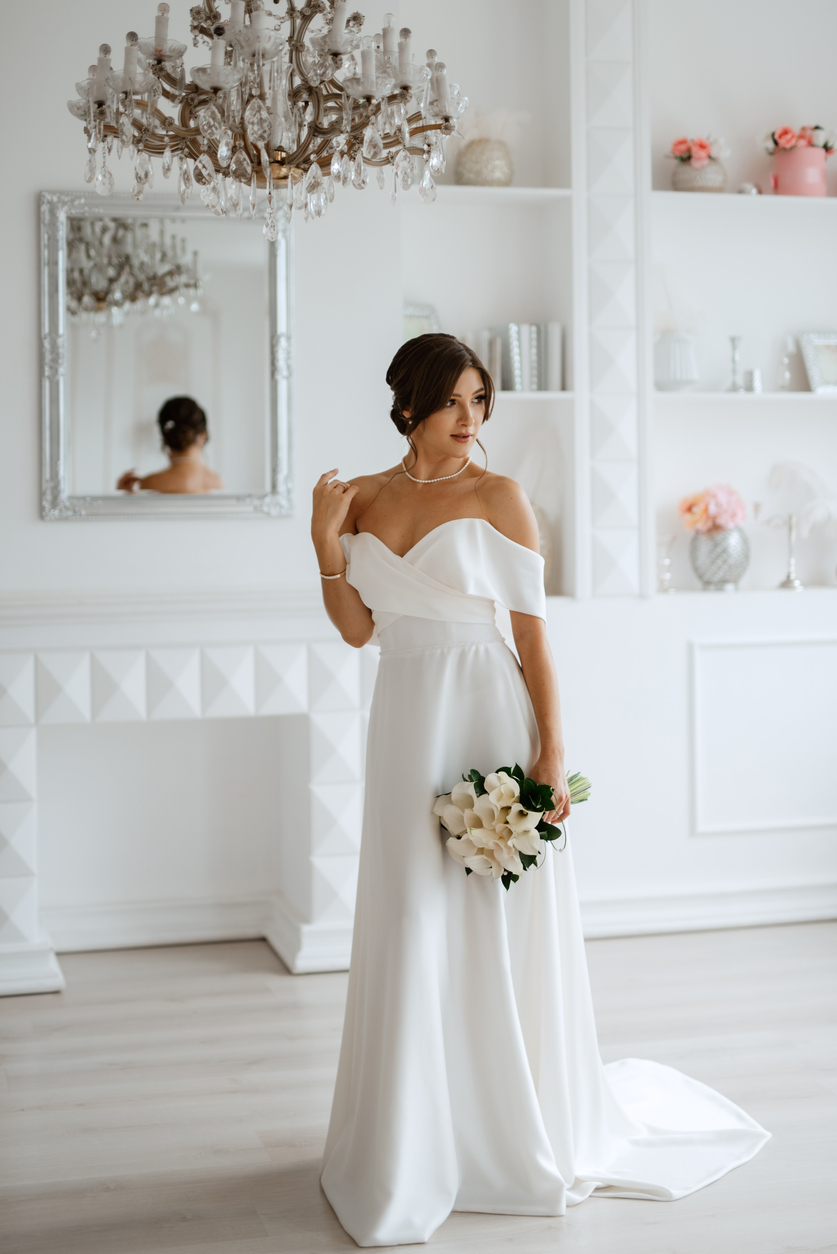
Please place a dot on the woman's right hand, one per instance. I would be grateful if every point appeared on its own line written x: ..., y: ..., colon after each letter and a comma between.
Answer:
x: 332, y: 499
x: 129, y: 482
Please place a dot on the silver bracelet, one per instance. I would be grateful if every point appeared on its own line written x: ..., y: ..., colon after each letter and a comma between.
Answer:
x: 339, y: 576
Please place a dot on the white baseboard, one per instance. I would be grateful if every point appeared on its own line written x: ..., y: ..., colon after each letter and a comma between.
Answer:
x: 30, y: 968
x: 310, y: 947
x: 707, y: 911
x: 134, y: 924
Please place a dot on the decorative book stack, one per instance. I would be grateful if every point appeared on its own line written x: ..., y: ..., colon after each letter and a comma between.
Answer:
x: 524, y: 356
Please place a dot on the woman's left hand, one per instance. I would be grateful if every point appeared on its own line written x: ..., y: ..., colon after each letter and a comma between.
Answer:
x: 550, y: 770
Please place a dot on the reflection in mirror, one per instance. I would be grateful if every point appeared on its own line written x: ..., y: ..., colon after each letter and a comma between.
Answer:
x: 156, y: 321
x: 166, y: 362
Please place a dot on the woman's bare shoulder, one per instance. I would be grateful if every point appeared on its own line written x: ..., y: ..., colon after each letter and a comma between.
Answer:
x: 509, y: 510
x: 369, y: 486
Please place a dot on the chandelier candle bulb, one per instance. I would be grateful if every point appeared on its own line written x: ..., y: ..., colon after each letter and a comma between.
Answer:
x: 440, y: 86
x: 219, y: 48
x: 367, y: 71
x: 405, y: 56
x: 129, y: 65
x: 161, y: 29
x: 390, y: 35
x: 236, y: 19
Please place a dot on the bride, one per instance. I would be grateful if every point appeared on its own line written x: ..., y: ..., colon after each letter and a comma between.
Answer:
x: 469, y: 1076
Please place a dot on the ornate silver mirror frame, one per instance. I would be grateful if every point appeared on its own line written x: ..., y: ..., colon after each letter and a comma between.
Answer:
x: 56, y: 502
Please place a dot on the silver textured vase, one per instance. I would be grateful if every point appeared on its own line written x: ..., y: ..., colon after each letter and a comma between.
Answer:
x: 709, y: 178
x: 720, y: 558
x: 484, y: 163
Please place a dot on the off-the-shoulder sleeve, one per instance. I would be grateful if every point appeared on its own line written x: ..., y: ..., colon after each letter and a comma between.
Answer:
x: 479, y: 560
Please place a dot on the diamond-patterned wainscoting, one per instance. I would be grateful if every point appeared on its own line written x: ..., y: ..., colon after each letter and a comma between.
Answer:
x: 612, y: 264
x: 325, y: 680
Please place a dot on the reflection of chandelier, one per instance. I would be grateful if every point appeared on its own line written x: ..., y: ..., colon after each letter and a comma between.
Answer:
x: 114, y: 267
x: 270, y: 111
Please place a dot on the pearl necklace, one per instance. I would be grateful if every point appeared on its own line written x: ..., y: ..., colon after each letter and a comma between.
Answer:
x: 441, y: 478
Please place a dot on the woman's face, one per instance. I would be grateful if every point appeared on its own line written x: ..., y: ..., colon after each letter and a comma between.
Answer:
x: 452, y: 431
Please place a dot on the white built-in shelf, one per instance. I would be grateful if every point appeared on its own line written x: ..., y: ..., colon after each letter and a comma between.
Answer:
x: 538, y: 396
x: 451, y: 194
x: 747, y: 398
x: 757, y: 204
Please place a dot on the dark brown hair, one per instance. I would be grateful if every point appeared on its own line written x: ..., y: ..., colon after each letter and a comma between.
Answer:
x: 423, y: 374
x: 181, y: 421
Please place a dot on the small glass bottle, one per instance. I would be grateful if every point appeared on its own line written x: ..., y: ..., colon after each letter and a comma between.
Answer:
x: 784, y: 381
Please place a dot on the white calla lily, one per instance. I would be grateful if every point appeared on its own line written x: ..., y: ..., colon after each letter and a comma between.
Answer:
x: 522, y: 820
x: 463, y: 794
x: 502, y: 789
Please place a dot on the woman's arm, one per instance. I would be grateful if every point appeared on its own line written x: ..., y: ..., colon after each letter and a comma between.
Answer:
x: 539, y: 673
x: 332, y: 502
x: 510, y: 512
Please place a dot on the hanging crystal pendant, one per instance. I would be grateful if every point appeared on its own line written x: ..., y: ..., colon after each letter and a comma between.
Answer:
x: 168, y: 161
x: 104, y: 181
x: 346, y: 176
x: 380, y: 176
x: 394, y: 193
x: 271, y: 227
x: 406, y: 170
x: 373, y: 148
x: 240, y: 166
x: 329, y: 186
x: 221, y: 193
x: 427, y: 188
x: 299, y: 194
x: 234, y: 196
x: 360, y: 174
x: 436, y: 156
x: 143, y: 172
x: 405, y: 134
x: 336, y: 165
x: 90, y: 167
x: 347, y: 113
x: 253, y: 195
x: 209, y: 121
x: 204, y: 169
x: 225, y: 148
x: 257, y: 122
x: 125, y: 129
x: 137, y: 189
x: 265, y: 162
x: 184, y: 180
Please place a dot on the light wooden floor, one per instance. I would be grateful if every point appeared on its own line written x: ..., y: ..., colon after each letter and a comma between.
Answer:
x: 176, y: 1099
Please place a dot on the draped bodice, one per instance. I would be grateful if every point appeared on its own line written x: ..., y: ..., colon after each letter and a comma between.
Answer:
x: 456, y: 573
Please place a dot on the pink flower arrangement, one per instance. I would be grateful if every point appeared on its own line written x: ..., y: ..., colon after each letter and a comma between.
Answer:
x: 718, y: 508
x: 785, y: 137
x: 699, y: 152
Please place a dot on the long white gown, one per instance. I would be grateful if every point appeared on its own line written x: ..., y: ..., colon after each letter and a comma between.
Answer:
x: 470, y: 1077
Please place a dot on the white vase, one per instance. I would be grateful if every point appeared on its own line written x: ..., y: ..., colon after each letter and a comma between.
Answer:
x: 484, y: 163
x: 675, y: 362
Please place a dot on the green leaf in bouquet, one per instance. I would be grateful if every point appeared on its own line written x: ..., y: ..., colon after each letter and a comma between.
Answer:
x: 468, y: 871
x: 528, y: 859
x: 548, y: 831
x: 508, y: 879
x: 477, y: 780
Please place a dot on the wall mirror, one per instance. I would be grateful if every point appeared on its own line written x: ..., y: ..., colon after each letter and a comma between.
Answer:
x: 143, y: 303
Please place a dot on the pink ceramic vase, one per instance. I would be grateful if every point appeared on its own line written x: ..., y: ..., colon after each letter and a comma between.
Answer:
x: 799, y: 172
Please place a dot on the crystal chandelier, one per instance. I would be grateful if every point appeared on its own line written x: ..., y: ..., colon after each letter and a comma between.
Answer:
x: 293, y: 103
x: 114, y: 267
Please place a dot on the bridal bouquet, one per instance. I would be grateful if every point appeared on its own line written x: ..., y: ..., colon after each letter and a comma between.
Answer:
x: 496, y: 821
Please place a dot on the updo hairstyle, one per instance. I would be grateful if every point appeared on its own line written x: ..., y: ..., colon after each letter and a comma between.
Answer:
x: 423, y: 374
x: 182, y: 422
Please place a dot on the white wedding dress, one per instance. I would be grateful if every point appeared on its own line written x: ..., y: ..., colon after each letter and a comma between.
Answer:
x: 470, y: 1077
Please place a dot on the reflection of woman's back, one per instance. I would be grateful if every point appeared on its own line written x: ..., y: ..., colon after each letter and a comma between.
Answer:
x: 184, y: 431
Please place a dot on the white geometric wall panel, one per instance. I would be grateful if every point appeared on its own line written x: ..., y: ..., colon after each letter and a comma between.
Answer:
x: 228, y: 681
x: 611, y: 186
x: 17, y: 763
x: 18, y: 838
x: 281, y: 674
x: 62, y: 686
x: 174, y: 683
x: 17, y: 689
x: 118, y: 685
x: 328, y: 682
x: 750, y: 725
